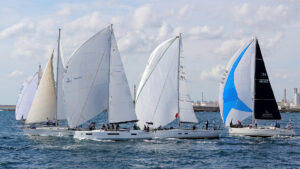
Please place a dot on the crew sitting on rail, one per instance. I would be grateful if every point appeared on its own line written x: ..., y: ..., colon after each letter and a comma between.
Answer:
x: 135, y: 127
x: 92, y: 126
x: 103, y: 127
x: 117, y: 127
x: 47, y: 122
x: 194, y: 127
x: 206, y: 125
x: 277, y: 125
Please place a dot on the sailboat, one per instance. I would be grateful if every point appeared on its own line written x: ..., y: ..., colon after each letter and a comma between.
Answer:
x: 95, y: 82
x: 26, y: 95
x: 162, y: 95
x: 246, y: 91
x: 46, y: 106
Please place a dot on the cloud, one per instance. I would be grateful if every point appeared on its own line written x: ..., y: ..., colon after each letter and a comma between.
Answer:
x: 259, y: 16
x: 17, y: 28
x: 214, y: 74
x: 15, y: 73
x: 205, y: 32
x: 228, y: 47
x: 274, y: 40
x: 145, y: 16
x: 183, y: 11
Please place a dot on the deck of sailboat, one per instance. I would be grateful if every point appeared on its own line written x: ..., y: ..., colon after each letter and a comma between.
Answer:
x: 122, y: 134
x: 56, y: 131
x: 261, y: 131
x: 187, y: 133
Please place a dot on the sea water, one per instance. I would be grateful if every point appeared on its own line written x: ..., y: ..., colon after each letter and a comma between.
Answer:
x: 19, y: 151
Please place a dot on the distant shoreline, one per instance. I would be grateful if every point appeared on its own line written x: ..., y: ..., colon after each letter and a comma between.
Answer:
x: 196, y: 109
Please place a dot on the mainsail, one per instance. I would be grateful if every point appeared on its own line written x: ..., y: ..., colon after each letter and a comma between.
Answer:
x: 26, y: 96
x: 44, y: 102
x: 265, y: 106
x: 245, y: 87
x: 95, y: 81
x: 159, y: 97
x: 121, y: 108
x: 59, y: 81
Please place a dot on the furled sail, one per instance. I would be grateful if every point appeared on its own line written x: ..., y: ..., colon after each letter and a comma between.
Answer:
x: 236, y: 89
x: 26, y: 96
x: 121, y: 108
x: 44, y: 102
x: 160, y: 92
x: 59, y: 82
x: 86, y: 80
x: 265, y: 106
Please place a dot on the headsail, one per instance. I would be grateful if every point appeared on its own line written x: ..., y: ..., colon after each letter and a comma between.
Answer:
x: 236, y: 89
x: 59, y: 81
x: 265, y: 106
x: 121, y: 107
x: 159, y: 95
x: 86, y: 79
x: 26, y: 96
x: 44, y: 102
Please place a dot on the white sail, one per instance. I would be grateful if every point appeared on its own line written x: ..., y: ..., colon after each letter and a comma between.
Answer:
x: 186, y: 113
x: 157, y: 95
x: 59, y: 82
x: 236, y: 88
x: 44, y: 102
x: 86, y: 80
x: 26, y: 96
x: 121, y: 108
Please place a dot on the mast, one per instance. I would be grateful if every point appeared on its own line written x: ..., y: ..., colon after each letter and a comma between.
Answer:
x: 57, y: 66
x: 109, y: 68
x: 39, y: 74
x: 254, y: 86
x: 178, y: 81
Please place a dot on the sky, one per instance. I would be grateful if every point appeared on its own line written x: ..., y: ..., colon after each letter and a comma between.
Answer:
x: 212, y: 32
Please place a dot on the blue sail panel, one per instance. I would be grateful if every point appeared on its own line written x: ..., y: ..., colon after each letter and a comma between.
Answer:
x: 230, y: 95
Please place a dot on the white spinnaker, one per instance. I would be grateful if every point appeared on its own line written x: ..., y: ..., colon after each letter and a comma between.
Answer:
x: 157, y: 95
x: 26, y: 96
x: 121, y: 108
x: 243, y: 82
x: 44, y: 102
x: 60, y: 72
x: 186, y: 112
x: 86, y: 80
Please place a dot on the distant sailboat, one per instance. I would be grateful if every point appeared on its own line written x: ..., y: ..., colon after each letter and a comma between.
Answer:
x: 245, y: 90
x: 95, y: 82
x: 162, y: 94
x: 26, y: 95
x: 46, y: 106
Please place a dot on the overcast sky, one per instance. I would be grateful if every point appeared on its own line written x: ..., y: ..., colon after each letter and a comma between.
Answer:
x: 212, y: 32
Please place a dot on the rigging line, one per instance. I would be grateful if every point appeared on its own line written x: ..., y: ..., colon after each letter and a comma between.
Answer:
x: 154, y: 68
x: 162, y: 92
x: 93, y: 82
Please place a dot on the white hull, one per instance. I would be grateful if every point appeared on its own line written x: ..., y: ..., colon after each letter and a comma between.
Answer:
x: 113, y: 135
x: 49, y: 131
x: 261, y: 132
x: 187, y: 134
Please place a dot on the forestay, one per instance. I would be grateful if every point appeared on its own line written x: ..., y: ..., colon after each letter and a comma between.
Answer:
x: 26, y: 96
x: 121, y: 107
x: 44, y: 102
x: 236, y: 89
